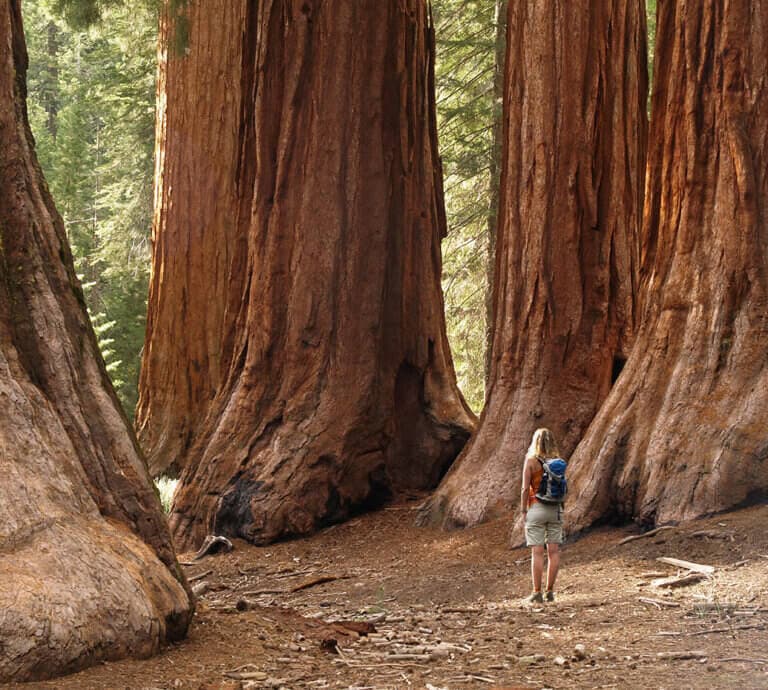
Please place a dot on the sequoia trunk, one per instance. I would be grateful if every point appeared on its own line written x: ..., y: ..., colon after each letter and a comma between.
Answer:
x: 494, y: 172
x: 195, y: 229
x: 87, y: 569
x: 683, y: 433
x: 340, y: 389
x: 567, y: 247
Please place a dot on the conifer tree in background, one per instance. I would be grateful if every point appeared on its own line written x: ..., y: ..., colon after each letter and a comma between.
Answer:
x: 91, y: 104
x: 468, y: 79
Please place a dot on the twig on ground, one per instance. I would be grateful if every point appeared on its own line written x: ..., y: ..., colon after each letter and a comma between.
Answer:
x: 681, y: 655
x: 659, y: 603
x: 322, y: 579
x: 712, y: 534
x: 731, y: 628
x: 684, y: 581
x: 193, y: 578
x: 649, y: 533
x: 213, y: 544
x: 747, y: 661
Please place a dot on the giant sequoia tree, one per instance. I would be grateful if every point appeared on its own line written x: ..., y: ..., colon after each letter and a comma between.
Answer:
x: 567, y: 247
x: 199, y: 249
x: 87, y: 570
x: 313, y: 300
x: 683, y: 433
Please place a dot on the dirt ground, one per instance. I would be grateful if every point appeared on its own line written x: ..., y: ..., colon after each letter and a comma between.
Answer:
x: 445, y: 610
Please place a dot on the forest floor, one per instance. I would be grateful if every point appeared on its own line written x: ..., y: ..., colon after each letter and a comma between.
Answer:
x: 446, y: 610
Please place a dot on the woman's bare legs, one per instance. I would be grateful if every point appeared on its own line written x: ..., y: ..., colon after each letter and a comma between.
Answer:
x: 553, y: 565
x: 537, y: 566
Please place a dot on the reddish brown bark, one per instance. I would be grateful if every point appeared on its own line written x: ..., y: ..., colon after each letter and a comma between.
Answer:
x: 195, y: 230
x: 340, y: 388
x: 567, y: 247
x: 683, y: 433
x: 87, y: 569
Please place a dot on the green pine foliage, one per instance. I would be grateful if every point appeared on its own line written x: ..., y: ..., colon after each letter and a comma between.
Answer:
x: 464, y: 77
x: 650, y: 12
x: 91, y: 104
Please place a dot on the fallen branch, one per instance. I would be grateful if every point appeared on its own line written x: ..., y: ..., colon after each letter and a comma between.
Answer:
x: 193, y: 578
x: 712, y: 631
x: 362, y: 628
x: 213, y: 544
x: 407, y: 657
x: 712, y: 534
x: 688, y: 565
x: 684, y: 581
x: 658, y: 603
x: 737, y: 564
x: 669, y: 656
x: 243, y: 673
x: 649, y: 533
x: 317, y: 581
x: 746, y: 661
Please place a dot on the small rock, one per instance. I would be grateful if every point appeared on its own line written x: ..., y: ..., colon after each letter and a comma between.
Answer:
x: 527, y: 660
x: 241, y: 605
x: 580, y: 652
x: 560, y: 661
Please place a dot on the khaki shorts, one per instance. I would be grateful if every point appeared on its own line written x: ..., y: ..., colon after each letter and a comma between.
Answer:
x: 544, y: 524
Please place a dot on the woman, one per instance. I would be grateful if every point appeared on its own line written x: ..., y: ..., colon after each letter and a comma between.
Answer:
x: 543, y: 521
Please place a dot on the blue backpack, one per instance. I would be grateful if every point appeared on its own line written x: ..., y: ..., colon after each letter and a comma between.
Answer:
x: 553, y: 486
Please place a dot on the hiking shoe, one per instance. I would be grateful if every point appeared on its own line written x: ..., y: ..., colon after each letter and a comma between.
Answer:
x: 550, y: 595
x: 535, y: 598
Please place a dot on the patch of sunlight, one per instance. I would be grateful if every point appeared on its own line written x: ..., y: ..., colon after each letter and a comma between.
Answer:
x: 166, y: 487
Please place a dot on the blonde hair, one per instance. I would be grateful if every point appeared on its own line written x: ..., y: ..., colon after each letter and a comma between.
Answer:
x: 543, y: 445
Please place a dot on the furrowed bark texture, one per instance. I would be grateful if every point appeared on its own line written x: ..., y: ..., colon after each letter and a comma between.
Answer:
x: 683, y: 433
x: 195, y: 229
x: 87, y: 568
x: 567, y: 248
x: 341, y: 389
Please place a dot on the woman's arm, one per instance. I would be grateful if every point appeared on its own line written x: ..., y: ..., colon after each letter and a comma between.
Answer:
x: 525, y: 486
